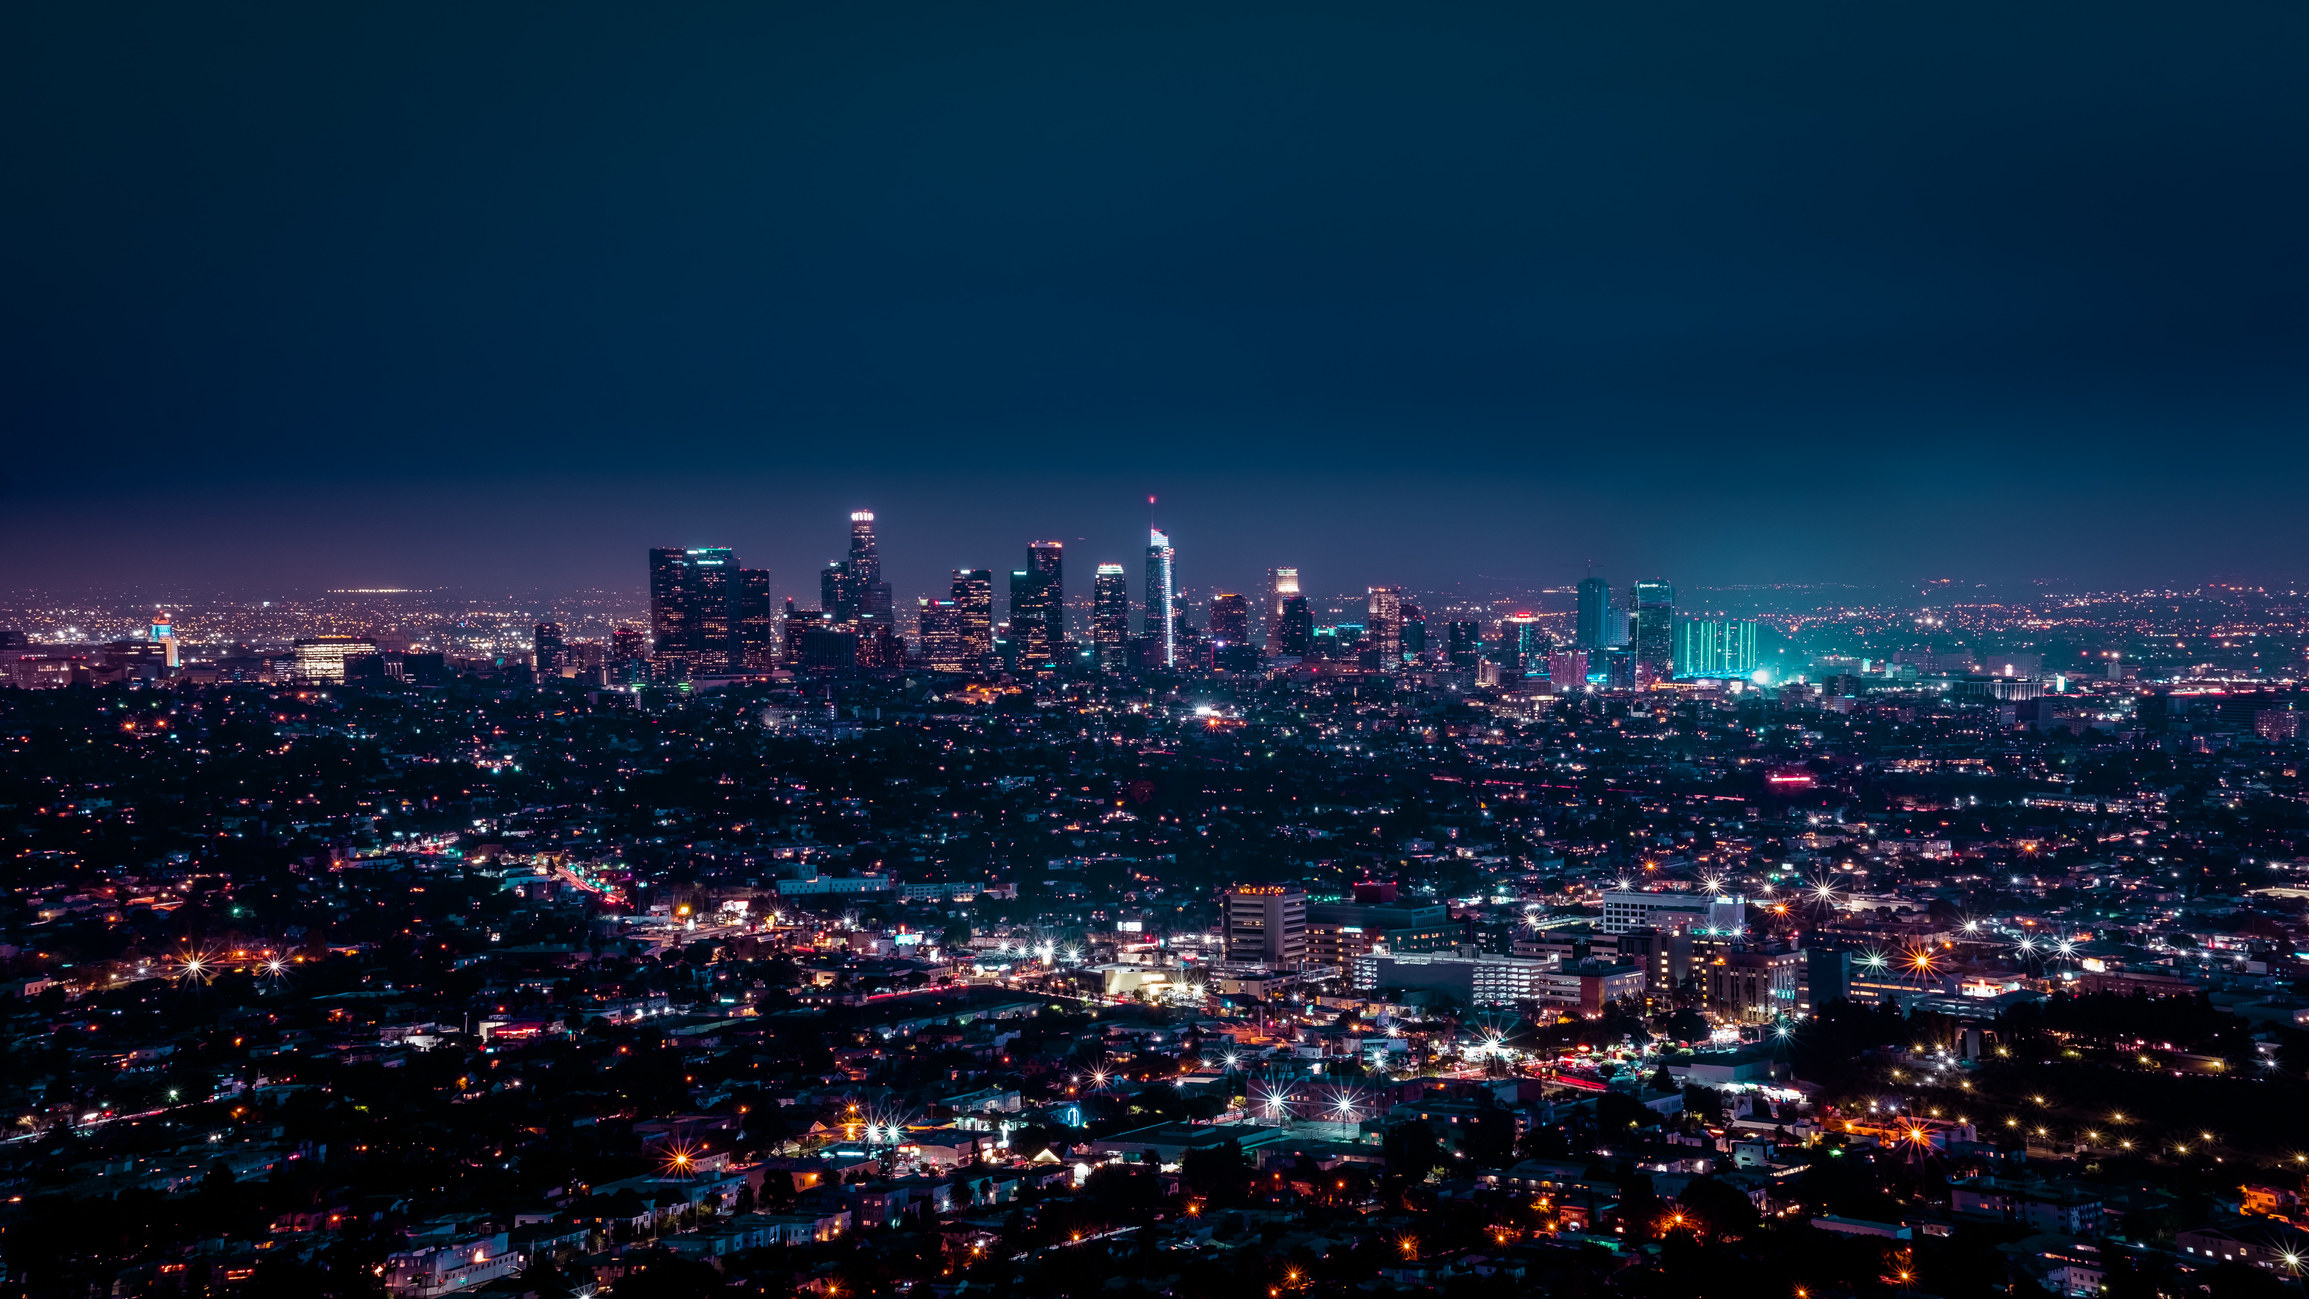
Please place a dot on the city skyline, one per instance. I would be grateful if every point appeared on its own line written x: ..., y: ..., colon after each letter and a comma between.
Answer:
x: 1168, y: 652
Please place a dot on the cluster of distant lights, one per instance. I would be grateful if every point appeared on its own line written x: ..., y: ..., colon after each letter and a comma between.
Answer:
x: 1046, y: 952
x: 1343, y: 1104
x: 200, y: 968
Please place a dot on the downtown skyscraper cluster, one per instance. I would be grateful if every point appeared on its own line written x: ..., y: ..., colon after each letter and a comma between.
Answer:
x: 711, y: 617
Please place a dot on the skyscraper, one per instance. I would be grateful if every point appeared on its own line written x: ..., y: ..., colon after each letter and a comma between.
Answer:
x: 1162, y: 625
x: 1298, y: 639
x: 668, y: 606
x: 838, y: 593
x: 545, y: 658
x: 1589, y: 632
x: 1110, y: 618
x: 942, y: 645
x: 851, y: 590
x: 1047, y: 561
x: 1282, y: 584
x: 873, y: 594
x: 973, y: 595
x: 798, y: 625
x: 1383, y: 623
x: 712, y: 586
x: 1038, y: 607
x: 1523, y: 643
x: 1230, y: 619
x: 757, y: 621
x: 1414, y: 632
x: 865, y: 553
x: 628, y: 656
x: 693, y: 607
x: 1654, y: 633
x: 1463, y: 645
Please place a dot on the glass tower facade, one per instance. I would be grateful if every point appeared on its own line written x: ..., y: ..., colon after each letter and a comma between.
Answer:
x: 1162, y: 624
x: 973, y: 596
x: 1038, y: 607
x: 1298, y: 638
x: 1462, y: 645
x: 1522, y: 642
x: 693, y: 608
x: 757, y: 621
x: 1590, y: 630
x: 1653, y: 635
x: 1230, y: 618
x: 1282, y: 584
x: 712, y: 585
x: 1383, y: 622
x: 1110, y: 618
x: 668, y: 609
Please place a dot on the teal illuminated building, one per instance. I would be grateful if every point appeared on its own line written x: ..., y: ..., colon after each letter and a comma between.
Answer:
x: 1707, y: 647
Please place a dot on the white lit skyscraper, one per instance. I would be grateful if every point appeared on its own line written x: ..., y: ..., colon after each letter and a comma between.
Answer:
x: 1383, y: 624
x: 1282, y: 584
x: 1162, y: 598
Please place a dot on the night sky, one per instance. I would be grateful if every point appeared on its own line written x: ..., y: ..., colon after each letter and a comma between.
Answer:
x: 501, y: 294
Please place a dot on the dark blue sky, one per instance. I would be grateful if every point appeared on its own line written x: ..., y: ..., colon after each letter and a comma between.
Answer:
x: 502, y: 293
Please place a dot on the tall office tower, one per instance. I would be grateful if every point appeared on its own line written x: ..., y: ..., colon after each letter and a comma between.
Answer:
x: 1266, y: 926
x: 1298, y: 639
x: 627, y: 644
x: 628, y: 656
x: 1522, y: 641
x: 1654, y: 631
x: 865, y: 554
x: 1463, y: 645
x: 1038, y: 607
x: 1162, y: 623
x: 693, y: 607
x: 1383, y: 624
x: 1110, y: 618
x: 942, y: 636
x: 668, y: 605
x: 1047, y: 561
x: 865, y: 569
x: 1588, y: 631
x: 796, y: 628
x: 545, y: 659
x: 1414, y: 633
x: 711, y: 584
x: 757, y: 621
x: 1723, y: 648
x: 973, y: 594
x: 1230, y: 619
x: 838, y: 593
x: 1282, y: 584
x: 1025, y: 630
